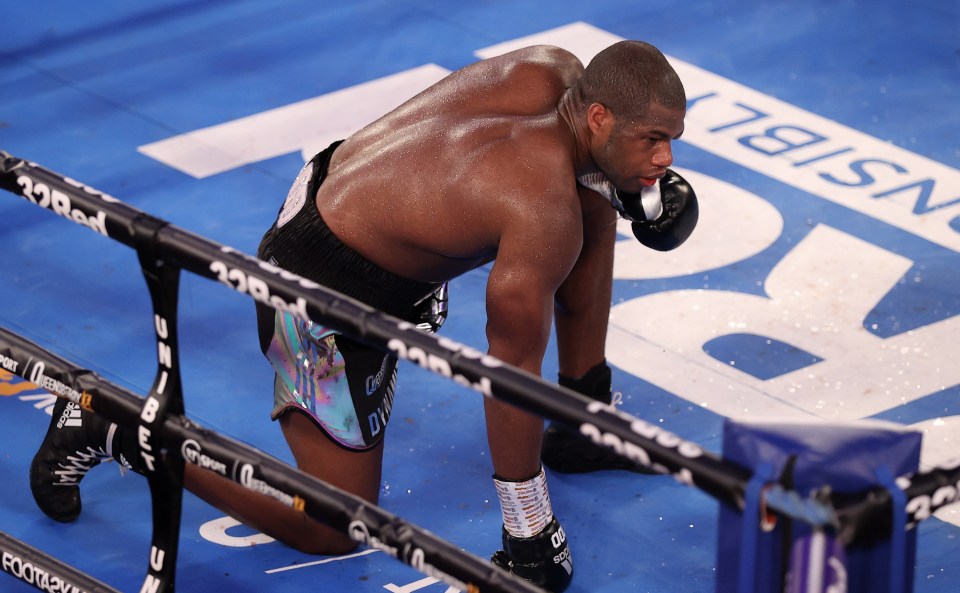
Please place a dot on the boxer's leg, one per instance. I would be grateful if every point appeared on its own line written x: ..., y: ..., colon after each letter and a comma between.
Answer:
x: 534, y: 545
x: 78, y: 441
x: 357, y: 472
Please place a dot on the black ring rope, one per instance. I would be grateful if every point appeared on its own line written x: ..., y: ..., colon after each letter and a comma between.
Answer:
x: 626, y: 435
x: 43, y: 571
x: 363, y: 521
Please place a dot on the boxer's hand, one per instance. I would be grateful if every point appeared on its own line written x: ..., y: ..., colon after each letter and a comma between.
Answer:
x: 666, y: 223
x: 567, y: 452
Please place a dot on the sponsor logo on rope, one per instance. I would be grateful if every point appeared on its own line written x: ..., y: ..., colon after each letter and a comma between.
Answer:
x: 36, y: 576
x: 441, y: 365
x: 410, y: 554
x: 150, y: 408
x: 358, y: 532
x: 8, y: 364
x: 152, y: 583
x: 637, y: 453
x: 921, y: 507
x: 193, y: 453
x: 59, y: 203
x: 248, y: 480
x: 242, y: 282
x: 41, y: 380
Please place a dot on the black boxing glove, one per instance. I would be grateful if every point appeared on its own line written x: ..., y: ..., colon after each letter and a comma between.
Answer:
x: 568, y: 452
x: 543, y: 559
x: 663, y: 214
x: 665, y: 223
x: 597, y: 383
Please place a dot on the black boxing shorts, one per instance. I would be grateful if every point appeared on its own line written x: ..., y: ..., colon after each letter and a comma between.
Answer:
x: 345, y: 386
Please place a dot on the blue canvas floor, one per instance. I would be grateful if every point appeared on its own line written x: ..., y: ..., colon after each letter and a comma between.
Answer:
x: 824, y: 142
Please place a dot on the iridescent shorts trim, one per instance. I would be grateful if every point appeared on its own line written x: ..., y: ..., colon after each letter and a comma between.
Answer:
x: 346, y: 387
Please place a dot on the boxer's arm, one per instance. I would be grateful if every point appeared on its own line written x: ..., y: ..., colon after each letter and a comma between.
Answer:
x: 583, y: 300
x: 538, y: 247
x: 582, y: 313
x: 531, y: 264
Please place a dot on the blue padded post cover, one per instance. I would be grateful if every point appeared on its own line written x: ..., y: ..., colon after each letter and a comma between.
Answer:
x: 847, y: 456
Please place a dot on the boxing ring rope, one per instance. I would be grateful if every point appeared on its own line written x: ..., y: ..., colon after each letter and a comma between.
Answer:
x: 250, y: 467
x: 165, y: 249
x: 44, y: 571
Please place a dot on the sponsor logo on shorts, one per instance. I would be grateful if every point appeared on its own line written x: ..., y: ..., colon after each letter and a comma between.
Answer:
x: 378, y: 419
x: 374, y: 381
x: 297, y: 196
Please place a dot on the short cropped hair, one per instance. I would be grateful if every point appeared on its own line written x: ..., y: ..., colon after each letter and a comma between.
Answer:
x: 627, y: 77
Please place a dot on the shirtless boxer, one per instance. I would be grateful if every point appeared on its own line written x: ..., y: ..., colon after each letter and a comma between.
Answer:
x: 517, y: 160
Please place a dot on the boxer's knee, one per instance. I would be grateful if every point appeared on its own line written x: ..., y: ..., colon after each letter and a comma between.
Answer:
x: 320, y: 540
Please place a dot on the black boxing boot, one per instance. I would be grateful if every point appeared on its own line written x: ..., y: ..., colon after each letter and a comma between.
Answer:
x: 76, y: 442
x: 543, y: 559
x: 567, y: 452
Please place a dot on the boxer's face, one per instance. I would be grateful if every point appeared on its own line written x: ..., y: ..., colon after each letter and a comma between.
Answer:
x: 634, y: 154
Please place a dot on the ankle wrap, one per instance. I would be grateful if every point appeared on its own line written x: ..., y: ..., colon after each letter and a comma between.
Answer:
x: 525, y: 504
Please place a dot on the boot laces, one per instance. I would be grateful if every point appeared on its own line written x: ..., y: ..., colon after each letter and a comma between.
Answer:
x: 78, y: 464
